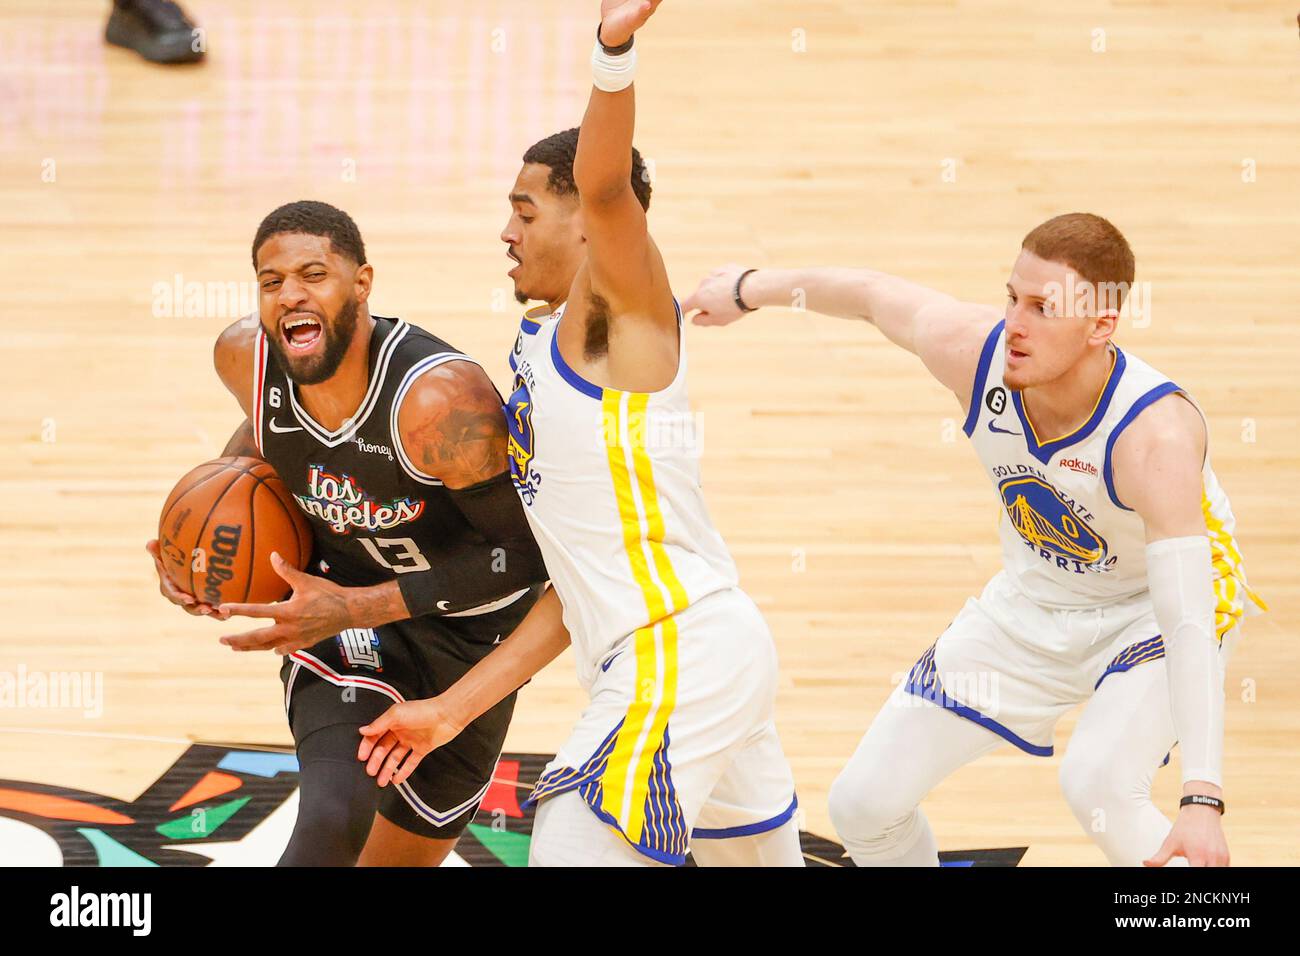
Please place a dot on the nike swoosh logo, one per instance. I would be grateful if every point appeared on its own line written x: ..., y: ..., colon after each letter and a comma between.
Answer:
x: 498, y: 640
x: 605, y: 666
x: 281, y: 431
x: 1001, y: 431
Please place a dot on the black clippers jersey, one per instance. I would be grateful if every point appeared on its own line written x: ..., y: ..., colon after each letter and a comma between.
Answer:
x: 373, y: 514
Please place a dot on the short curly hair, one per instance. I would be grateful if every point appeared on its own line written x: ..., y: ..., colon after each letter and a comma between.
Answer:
x: 313, y: 219
x: 557, y: 152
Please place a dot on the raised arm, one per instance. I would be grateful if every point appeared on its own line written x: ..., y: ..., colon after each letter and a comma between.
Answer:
x: 945, y: 333
x: 1157, y: 465
x: 624, y: 269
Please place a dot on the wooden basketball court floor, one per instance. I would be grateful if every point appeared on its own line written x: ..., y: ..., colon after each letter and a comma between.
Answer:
x: 918, y: 138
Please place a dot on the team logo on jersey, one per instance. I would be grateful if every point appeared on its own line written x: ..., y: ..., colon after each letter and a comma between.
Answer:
x: 1042, y: 517
x: 341, y: 504
x: 519, y: 420
x: 360, y: 647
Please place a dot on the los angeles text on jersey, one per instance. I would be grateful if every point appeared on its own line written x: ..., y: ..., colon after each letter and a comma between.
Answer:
x: 342, y: 504
x: 1056, y: 527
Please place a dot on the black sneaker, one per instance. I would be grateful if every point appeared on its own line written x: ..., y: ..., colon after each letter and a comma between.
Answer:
x: 158, y: 30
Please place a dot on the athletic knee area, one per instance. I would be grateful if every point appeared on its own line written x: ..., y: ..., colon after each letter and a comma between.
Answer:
x: 336, y: 801
x: 862, y: 809
x: 1094, y: 781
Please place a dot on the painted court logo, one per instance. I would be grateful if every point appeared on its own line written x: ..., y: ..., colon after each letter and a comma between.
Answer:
x: 230, y: 805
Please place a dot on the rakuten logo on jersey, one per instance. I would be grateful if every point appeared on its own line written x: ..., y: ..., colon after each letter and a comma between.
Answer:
x: 1079, y: 465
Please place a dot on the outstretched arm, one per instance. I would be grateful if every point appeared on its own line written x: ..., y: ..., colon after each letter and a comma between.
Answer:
x: 1157, y: 472
x: 393, y: 745
x: 623, y: 266
x: 945, y: 333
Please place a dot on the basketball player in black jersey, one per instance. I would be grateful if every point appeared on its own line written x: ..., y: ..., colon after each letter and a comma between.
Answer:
x: 394, y: 446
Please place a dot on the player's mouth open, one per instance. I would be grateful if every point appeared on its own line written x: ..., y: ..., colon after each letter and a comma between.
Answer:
x: 1017, y: 355
x: 510, y: 253
x: 300, y: 331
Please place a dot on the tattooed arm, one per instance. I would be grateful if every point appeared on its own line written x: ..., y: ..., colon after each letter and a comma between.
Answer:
x: 452, y: 426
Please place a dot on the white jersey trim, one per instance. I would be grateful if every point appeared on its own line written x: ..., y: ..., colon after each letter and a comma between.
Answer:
x: 1139, y: 406
x: 260, y: 346
x: 345, y: 432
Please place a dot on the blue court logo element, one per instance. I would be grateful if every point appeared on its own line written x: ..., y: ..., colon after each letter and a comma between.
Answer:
x: 519, y: 419
x: 1046, y: 522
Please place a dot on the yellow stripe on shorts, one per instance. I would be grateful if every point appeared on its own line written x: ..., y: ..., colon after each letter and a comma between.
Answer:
x: 625, y: 782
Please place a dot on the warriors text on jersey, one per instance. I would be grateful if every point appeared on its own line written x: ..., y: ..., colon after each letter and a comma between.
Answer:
x: 610, y: 481
x: 1067, y: 539
x: 373, y: 513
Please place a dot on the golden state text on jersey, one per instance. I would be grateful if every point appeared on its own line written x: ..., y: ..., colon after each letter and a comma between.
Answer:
x: 1068, y: 540
x: 1054, y: 526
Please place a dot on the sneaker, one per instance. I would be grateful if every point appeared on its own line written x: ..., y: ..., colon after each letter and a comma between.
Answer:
x: 158, y: 30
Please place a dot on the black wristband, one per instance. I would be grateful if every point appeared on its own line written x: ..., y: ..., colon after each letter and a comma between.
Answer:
x: 735, y: 293
x: 614, y: 50
x: 1200, y: 799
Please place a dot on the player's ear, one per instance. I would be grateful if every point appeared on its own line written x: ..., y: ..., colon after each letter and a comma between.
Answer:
x: 1105, y: 325
x: 361, y: 282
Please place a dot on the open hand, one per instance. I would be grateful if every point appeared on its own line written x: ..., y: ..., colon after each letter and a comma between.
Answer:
x: 393, y: 745
x: 714, y: 299
x: 317, y: 609
x: 619, y: 19
x: 1197, y: 836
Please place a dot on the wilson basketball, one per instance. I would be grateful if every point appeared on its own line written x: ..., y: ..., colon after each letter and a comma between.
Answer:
x: 219, y: 526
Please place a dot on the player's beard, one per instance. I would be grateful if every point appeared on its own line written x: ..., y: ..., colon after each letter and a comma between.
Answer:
x: 338, y: 335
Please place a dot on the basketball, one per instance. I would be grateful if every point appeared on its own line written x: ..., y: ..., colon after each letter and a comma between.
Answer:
x: 219, y: 526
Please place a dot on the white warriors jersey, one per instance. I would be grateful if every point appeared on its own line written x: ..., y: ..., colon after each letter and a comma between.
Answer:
x: 610, y: 481
x: 1068, y: 541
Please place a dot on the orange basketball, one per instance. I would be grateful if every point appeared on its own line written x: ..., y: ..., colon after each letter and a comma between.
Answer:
x: 219, y: 526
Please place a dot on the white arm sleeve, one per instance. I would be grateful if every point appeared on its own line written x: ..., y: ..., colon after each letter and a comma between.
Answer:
x: 1180, y: 576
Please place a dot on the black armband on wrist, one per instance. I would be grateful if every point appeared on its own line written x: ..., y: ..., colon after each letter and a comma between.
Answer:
x: 614, y: 50
x: 735, y: 293
x: 1200, y: 799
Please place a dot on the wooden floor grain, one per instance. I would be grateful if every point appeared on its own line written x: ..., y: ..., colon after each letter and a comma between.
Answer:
x: 919, y: 138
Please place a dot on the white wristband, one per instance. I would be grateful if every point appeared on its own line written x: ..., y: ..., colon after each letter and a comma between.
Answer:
x: 612, y: 73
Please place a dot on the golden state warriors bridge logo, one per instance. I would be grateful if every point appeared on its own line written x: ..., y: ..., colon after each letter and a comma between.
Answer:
x: 519, y: 445
x: 1050, y: 526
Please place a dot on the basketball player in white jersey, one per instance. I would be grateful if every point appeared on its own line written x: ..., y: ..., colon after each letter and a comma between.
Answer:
x: 1122, y: 586
x: 678, y: 748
